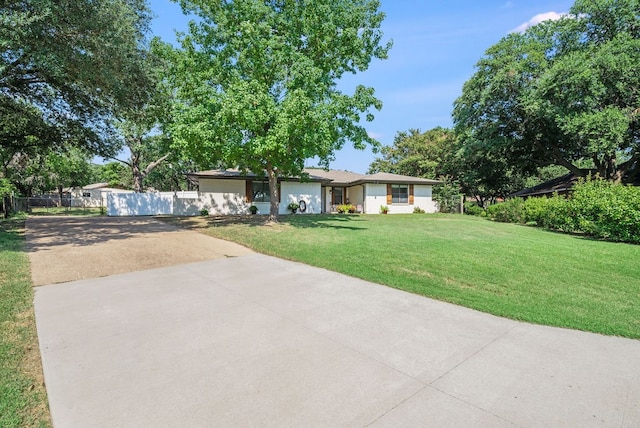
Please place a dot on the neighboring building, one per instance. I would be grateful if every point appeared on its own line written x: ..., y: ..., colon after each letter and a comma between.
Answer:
x: 564, y: 184
x: 232, y: 192
x: 93, y: 195
x: 560, y: 185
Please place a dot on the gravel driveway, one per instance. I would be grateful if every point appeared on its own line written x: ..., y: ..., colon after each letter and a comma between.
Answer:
x: 65, y: 249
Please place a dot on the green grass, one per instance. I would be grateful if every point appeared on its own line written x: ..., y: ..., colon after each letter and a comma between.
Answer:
x: 508, y: 270
x: 23, y: 401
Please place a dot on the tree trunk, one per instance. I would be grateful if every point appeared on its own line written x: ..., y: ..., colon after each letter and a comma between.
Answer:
x: 560, y: 160
x: 137, y: 178
x: 273, y: 193
x: 59, y: 196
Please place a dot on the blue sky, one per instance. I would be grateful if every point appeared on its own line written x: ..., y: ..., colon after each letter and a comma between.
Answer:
x: 436, y: 44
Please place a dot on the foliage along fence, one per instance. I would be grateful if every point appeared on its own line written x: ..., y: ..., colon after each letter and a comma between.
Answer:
x: 596, y: 208
x: 53, y: 201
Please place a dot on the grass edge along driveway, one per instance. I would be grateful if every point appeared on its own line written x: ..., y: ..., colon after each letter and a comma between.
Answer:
x: 508, y: 270
x: 23, y: 399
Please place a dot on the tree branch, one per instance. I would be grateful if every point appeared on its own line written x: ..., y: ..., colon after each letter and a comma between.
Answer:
x: 127, y: 163
x: 154, y: 164
x: 560, y: 160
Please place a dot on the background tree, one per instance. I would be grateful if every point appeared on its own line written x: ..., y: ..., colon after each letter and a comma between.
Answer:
x: 484, y: 173
x: 257, y: 82
x: 115, y: 174
x: 561, y: 92
x: 65, y: 65
x: 49, y: 169
x: 172, y: 175
x: 418, y: 154
x: 66, y: 168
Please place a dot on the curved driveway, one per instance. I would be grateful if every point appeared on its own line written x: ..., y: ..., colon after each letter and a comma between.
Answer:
x: 252, y: 340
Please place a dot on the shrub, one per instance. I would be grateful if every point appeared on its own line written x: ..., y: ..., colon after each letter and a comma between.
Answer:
x: 384, y: 209
x: 597, y: 208
x: 510, y: 211
x: 346, y: 208
x: 293, y: 206
x: 607, y: 210
x: 471, y: 208
x: 534, y: 210
x: 204, y: 212
x: 557, y: 215
x: 447, y: 196
x: 418, y: 210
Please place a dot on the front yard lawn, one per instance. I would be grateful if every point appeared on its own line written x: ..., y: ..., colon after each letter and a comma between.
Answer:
x: 508, y: 270
x: 23, y: 399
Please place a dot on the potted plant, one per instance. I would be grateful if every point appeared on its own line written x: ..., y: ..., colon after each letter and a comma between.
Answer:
x: 384, y: 209
x: 293, y: 206
x: 253, y: 209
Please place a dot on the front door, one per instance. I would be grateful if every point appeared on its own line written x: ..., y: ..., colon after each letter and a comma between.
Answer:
x: 337, y: 196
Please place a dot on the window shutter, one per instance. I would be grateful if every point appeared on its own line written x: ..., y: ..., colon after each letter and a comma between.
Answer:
x: 279, y: 186
x: 248, y: 197
x: 410, y: 194
x: 389, y: 196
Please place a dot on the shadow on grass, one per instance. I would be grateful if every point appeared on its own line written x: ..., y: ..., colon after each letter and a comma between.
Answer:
x: 325, y: 221
x: 15, y: 224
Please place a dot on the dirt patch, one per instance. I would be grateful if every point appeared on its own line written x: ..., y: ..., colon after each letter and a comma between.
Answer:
x: 70, y: 248
x: 214, y: 221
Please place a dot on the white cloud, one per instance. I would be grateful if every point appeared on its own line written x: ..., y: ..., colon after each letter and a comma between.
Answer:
x: 547, y: 16
x: 375, y: 135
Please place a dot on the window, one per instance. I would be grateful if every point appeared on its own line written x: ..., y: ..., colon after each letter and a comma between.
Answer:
x: 337, y: 195
x: 260, y: 191
x: 86, y: 194
x: 399, y: 193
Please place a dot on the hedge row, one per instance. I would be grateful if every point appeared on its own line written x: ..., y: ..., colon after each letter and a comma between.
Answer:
x: 597, y: 208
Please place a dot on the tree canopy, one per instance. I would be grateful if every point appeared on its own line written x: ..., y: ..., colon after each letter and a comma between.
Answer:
x: 561, y: 92
x: 64, y: 66
x: 439, y: 154
x: 418, y: 154
x: 144, y: 129
x: 258, y: 79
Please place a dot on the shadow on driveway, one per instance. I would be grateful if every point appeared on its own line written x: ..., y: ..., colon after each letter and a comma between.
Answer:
x: 70, y: 248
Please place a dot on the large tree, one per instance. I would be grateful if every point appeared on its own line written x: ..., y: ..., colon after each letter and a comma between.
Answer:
x: 258, y: 82
x: 65, y: 65
x: 561, y: 92
x: 143, y: 128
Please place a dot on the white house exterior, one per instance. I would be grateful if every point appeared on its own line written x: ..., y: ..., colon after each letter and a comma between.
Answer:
x: 231, y: 192
x: 399, y: 193
x: 224, y: 192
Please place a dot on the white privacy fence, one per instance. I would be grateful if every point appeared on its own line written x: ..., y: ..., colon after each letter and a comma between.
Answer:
x: 184, y: 203
x: 138, y: 204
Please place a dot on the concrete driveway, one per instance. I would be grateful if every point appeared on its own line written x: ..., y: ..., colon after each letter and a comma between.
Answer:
x: 253, y: 340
